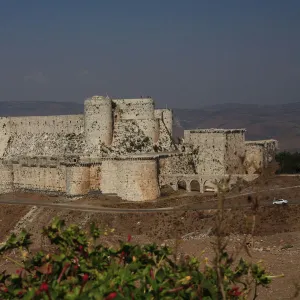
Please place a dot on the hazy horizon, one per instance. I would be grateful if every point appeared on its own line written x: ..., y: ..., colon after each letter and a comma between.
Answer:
x: 184, y: 54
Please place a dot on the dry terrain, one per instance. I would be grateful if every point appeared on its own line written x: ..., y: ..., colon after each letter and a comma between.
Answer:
x: 276, y: 235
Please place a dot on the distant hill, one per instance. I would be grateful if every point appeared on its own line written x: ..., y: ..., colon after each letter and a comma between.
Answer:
x: 280, y: 122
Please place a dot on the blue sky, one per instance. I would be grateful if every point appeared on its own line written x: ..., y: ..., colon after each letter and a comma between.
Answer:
x: 182, y: 53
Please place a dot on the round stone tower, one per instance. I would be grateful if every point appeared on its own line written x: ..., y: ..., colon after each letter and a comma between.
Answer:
x: 98, y: 121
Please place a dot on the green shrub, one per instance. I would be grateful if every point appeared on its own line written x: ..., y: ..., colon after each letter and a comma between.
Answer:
x: 82, y: 268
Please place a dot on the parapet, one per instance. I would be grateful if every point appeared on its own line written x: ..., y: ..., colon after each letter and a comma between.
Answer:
x: 97, y: 98
x: 262, y: 142
x: 217, y: 130
x: 134, y: 109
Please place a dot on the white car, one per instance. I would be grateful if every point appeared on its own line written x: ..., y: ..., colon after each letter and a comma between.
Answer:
x: 280, y: 201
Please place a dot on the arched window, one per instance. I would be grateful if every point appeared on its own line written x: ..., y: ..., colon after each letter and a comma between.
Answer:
x: 209, y: 187
x: 195, y: 185
x: 181, y: 185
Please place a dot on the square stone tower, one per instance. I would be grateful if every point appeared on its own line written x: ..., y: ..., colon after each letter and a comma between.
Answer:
x: 217, y: 151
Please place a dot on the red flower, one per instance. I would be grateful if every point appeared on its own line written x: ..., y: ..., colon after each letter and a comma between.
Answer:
x: 19, y: 271
x: 235, y: 291
x: 85, y: 277
x: 75, y: 267
x: 4, y: 290
x: 129, y: 238
x: 80, y: 247
x: 44, y: 287
x: 112, y: 295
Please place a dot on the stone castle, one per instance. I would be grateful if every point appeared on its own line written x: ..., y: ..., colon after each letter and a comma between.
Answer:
x: 123, y: 147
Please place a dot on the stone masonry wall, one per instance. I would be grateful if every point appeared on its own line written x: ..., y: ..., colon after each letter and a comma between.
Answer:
x: 235, y: 152
x: 6, y: 178
x: 98, y: 122
x: 77, y: 180
x: 109, y: 176
x: 259, y: 154
x: 95, y: 177
x: 40, y: 178
x: 4, y: 134
x: 131, y: 179
x: 209, y: 150
x: 138, y: 180
x: 134, y: 109
x: 166, y: 117
x: 175, y: 164
x: 254, y: 156
x: 53, y: 135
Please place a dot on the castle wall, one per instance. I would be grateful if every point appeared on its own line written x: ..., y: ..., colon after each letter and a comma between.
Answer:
x: 131, y: 179
x: 148, y: 126
x: 254, y: 157
x: 141, y: 111
x: 175, y: 164
x: 138, y: 180
x: 95, y: 177
x: 46, y: 136
x: 187, y: 136
x: 109, y: 177
x: 98, y: 122
x: 39, y: 178
x: 235, y: 152
x: 134, y: 109
x: 270, y: 151
x: 4, y: 134
x: 6, y: 178
x: 259, y: 154
x: 77, y: 180
x: 166, y: 115
x: 209, y: 151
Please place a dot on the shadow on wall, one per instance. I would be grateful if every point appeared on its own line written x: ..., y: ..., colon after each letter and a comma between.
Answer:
x: 195, y: 186
x: 181, y: 185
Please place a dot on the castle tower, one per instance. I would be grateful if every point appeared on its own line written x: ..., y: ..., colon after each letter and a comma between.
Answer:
x: 98, y: 121
x: 166, y: 117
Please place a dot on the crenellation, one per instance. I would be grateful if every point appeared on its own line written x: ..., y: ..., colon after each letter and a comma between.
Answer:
x: 123, y: 147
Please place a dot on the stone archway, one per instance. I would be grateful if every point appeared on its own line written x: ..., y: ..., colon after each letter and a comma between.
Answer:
x: 181, y: 184
x: 209, y: 186
x: 195, y: 186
